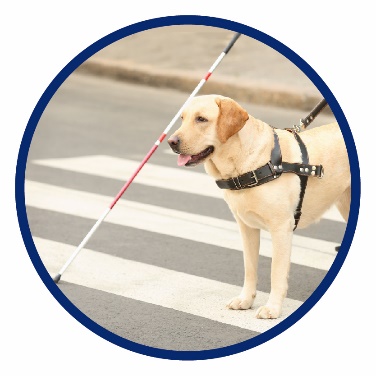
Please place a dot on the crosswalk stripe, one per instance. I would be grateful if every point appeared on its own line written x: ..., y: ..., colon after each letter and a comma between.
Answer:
x: 177, y: 179
x: 170, y: 289
x: 308, y: 252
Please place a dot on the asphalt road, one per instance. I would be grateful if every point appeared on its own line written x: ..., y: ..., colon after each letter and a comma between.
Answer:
x: 162, y: 267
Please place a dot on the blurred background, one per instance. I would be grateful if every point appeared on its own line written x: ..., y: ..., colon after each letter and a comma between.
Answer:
x: 176, y: 56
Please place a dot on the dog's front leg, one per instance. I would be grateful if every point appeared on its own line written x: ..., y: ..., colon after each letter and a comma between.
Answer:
x: 251, y: 245
x: 282, y: 243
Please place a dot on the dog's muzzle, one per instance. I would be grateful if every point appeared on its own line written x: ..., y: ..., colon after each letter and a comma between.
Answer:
x: 174, y: 142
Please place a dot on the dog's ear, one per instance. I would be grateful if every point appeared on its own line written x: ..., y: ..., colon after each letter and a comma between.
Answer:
x: 231, y: 119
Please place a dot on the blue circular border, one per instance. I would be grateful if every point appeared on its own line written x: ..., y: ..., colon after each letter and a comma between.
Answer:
x: 20, y: 186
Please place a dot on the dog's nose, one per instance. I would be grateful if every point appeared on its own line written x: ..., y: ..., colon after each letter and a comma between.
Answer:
x: 174, y: 142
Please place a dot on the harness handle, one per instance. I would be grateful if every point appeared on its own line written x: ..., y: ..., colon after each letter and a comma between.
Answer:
x: 304, y: 123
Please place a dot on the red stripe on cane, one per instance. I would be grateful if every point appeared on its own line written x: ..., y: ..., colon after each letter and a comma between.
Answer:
x: 207, y: 76
x: 162, y: 137
x: 128, y: 183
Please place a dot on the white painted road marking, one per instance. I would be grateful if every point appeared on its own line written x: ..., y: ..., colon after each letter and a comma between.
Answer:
x: 190, y: 294
x: 177, y: 179
x: 218, y: 232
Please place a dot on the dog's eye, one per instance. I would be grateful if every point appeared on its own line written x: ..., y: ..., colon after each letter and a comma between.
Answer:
x: 201, y: 119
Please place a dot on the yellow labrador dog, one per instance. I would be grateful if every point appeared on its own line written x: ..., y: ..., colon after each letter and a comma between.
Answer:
x: 218, y: 132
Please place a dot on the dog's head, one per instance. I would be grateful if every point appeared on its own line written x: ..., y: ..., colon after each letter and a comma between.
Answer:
x: 208, y: 122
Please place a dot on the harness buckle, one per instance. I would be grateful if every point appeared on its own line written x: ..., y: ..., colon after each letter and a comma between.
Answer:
x: 239, y: 185
x: 256, y: 180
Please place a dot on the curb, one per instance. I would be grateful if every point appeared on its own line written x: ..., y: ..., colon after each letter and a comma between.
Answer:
x: 187, y: 81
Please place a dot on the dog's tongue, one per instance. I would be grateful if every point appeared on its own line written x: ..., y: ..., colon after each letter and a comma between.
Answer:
x: 183, y: 159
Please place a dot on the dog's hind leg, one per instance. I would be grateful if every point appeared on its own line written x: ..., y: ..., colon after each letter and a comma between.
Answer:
x: 343, y: 203
x: 282, y: 243
x: 343, y: 206
x: 251, y: 246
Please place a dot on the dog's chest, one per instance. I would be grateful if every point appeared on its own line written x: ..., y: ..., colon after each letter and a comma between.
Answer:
x: 246, y: 208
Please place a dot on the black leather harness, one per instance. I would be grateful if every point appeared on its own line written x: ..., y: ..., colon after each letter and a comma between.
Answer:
x: 274, y: 169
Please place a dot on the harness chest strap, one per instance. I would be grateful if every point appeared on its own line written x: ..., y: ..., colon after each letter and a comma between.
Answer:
x: 274, y: 169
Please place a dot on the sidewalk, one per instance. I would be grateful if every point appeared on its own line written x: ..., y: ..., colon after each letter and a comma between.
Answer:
x: 179, y: 57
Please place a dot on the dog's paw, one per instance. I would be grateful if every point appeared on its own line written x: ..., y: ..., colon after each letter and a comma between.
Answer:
x: 240, y: 303
x: 266, y: 312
